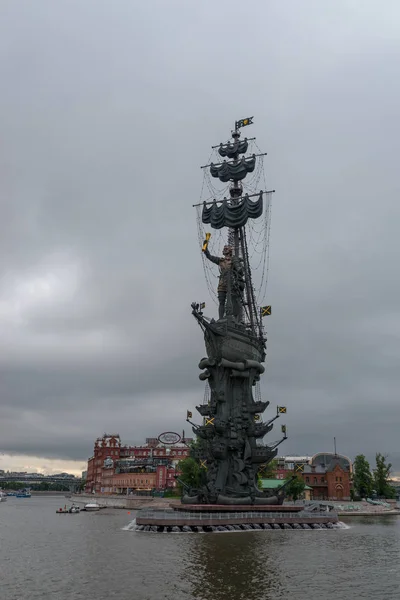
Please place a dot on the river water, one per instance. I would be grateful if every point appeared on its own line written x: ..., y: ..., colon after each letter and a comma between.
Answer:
x: 97, y: 556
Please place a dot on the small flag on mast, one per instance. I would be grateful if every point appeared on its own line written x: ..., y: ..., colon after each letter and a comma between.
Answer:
x: 188, y: 415
x: 282, y: 410
x: 265, y: 311
x: 244, y: 122
x: 283, y: 429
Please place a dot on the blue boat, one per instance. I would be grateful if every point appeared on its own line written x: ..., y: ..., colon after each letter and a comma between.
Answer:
x: 26, y: 493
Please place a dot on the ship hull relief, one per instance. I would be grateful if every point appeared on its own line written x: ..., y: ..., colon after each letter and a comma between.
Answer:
x: 231, y: 437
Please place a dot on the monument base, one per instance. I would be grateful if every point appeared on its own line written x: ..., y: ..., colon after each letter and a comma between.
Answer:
x: 200, y: 518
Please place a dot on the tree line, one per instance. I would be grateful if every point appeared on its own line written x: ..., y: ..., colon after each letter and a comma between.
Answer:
x: 375, y: 482
x: 42, y: 486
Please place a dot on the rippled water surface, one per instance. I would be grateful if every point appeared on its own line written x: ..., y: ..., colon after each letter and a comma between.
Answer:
x: 91, y: 556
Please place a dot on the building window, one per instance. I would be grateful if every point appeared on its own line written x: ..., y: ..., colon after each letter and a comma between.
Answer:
x: 337, y: 478
x: 315, y: 480
x: 307, y: 480
x: 322, y: 480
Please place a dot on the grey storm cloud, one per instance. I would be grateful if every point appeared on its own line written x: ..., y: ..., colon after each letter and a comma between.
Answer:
x: 107, y: 111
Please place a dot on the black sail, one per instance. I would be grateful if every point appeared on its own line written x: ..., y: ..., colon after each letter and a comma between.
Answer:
x: 232, y: 149
x: 232, y: 215
x: 233, y: 171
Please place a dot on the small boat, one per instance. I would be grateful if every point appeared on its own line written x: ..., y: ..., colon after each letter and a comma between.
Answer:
x: 3, y: 497
x: 11, y: 494
x: 23, y: 495
x: 91, y: 506
x: 71, y: 510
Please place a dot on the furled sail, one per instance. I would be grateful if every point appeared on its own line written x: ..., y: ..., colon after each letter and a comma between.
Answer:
x: 232, y: 149
x: 233, y: 171
x: 229, y: 214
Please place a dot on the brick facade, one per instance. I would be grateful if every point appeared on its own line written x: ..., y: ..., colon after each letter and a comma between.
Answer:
x: 114, y: 468
x: 328, y: 474
x: 329, y: 482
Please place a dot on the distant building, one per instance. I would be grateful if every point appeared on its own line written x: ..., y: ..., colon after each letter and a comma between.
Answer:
x: 290, y: 464
x: 118, y: 469
x: 327, y: 474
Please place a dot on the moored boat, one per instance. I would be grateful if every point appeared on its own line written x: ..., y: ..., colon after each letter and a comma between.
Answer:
x: 92, y: 506
x: 71, y: 510
x: 23, y: 494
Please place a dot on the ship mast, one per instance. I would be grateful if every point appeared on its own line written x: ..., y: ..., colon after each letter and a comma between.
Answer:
x: 237, y: 239
x: 235, y: 191
x: 233, y: 213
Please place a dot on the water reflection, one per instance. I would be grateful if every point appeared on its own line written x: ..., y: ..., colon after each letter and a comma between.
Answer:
x: 235, y: 566
x: 43, y: 555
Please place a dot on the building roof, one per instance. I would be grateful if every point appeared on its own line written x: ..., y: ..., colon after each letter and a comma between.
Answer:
x: 326, y: 459
x: 271, y: 484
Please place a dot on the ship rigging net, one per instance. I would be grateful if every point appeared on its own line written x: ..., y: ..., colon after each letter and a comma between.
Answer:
x: 256, y: 231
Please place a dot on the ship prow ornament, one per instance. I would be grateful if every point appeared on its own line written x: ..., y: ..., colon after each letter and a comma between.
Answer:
x: 230, y: 439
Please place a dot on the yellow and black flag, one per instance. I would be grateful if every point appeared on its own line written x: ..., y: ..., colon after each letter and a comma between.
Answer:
x: 188, y: 415
x: 282, y: 410
x: 265, y: 311
x: 299, y: 468
x: 244, y: 122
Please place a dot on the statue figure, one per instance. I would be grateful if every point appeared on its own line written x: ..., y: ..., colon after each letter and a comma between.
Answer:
x: 229, y: 267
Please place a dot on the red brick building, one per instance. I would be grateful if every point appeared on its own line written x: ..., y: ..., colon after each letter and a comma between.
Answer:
x: 117, y: 469
x: 328, y: 474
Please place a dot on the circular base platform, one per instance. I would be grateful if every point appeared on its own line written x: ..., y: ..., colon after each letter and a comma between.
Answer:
x: 184, y: 520
x: 226, y: 528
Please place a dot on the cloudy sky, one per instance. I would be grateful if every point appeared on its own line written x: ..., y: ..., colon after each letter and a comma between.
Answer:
x: 107, y: 110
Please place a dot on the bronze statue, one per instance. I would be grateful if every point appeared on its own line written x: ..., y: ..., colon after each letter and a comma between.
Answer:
x: 231, y: 272
x: 230, y: 439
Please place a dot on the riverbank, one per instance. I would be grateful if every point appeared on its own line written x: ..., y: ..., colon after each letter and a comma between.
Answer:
x: 364, y: 509
x: 353, y: 509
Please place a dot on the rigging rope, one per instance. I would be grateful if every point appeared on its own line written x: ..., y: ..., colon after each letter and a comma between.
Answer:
x: 257, y: 232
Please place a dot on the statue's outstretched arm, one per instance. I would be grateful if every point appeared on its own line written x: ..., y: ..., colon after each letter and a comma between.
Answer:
x: 214, y: 259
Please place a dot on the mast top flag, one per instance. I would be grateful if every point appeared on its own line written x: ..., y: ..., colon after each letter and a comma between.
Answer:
x: 243, y: 122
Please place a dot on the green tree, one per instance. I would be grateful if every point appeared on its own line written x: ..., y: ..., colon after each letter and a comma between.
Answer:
x: 267, y: 472
x: 382, y: 476
x: 191, y: 472
x: 295, y: 488
x: 362, y: 478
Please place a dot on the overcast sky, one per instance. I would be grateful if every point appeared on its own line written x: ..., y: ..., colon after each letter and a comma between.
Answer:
x: 107, y: 109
